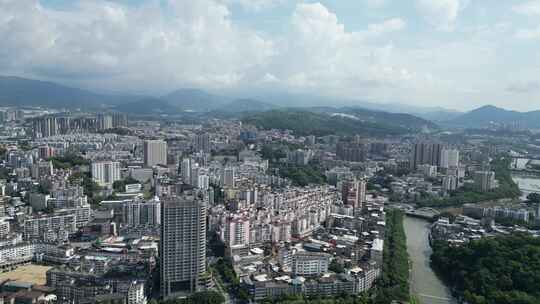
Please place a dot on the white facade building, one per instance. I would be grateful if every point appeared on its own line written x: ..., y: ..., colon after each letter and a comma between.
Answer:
x: 155, y: 152
x: 105, y: 173
x: 449, y: 158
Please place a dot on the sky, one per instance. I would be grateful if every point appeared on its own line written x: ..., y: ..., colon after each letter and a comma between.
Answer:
x: 457, y: 54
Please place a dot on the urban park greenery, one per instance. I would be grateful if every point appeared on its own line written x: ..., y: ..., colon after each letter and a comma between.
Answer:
x: 498, y: 270
x: 394, y: 283
x: 303, y: 175
x: 203, y: 297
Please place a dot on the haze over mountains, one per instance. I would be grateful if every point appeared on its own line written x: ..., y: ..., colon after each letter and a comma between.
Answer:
x: 29, y: 92
x: 490, y: 115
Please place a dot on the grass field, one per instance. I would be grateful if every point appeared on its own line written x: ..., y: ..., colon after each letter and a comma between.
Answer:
x: 28, y: 273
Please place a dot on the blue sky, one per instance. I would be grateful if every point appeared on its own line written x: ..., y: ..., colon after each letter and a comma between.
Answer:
x: 452, y: 53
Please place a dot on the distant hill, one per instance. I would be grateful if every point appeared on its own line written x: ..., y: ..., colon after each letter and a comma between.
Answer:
x: 285, y: 99
x: 341, y: 122
x: 27, y: 92
x: 147, y: 106
x: 440, y: 116
x: 401, y: 120
x: 246, y: 105
x: 195, y: 100
x: 490, y: 116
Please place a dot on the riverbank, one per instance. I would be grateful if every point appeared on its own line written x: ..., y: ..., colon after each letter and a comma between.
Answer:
x: 527, y: 184
x: 424, y: 284
x: 394, y: 284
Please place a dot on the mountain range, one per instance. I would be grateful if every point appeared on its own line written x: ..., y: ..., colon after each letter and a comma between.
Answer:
x: 340, y: 121
x: 16, y: 91
x: 491, y: 116
x: 29, y: 92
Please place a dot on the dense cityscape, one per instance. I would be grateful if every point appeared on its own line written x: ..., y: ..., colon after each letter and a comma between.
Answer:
x: 113, y: 208
x: 269, y: 152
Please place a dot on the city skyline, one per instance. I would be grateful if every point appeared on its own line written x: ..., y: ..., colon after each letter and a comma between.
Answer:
x: 269, y: 151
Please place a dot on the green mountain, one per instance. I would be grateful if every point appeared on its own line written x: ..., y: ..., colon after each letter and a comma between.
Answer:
x: 16, y: 91
x: 245, y: 105
x: 147, y: 106
x: 340, y: 122
x: 487, y: 116
x: 195, y: 100
x: 401, y: 120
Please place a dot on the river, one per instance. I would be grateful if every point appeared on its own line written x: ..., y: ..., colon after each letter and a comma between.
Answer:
x: 526, y: 184
x: 425, y: 285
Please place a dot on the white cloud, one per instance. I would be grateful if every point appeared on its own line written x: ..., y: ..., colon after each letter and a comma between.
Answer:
x: 524, y: 87
x: 186, y: 43
x: 155, y: 47
x: 528, y: 34
x: 269, y: 78
x: 256, y: 5
x: 387, y: 26
x: 440, y: 14
x: 375, y: 3
x: 528, y: 8
x: 323, y: 55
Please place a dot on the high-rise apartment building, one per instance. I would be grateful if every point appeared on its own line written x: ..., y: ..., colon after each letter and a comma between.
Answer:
x: 450, y: 183
x: 449, y: 158
x: 142, y: 214
x: 228, y: 177
x: 202, y: 142
x: 155, y: 153
x: 353, y: 152
x: 42, y: 169
x: 484, y: 181
x: 203, y: 182
x: 194, y: 175
x: 119, y: 120
x: 45, y: 152
x: 45, y: 126
x: 185, y: 170
x: 104, y: 121
x: 425, y: 153
x: 353, y: 193
x: 105, y: 173
x: 183, y: 243
x: 235, y: 231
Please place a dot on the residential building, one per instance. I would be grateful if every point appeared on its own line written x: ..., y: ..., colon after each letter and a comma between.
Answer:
x: 155, y: 152
x: 310, y: 263
x: 449, y: 158
x: 105, y: 173
x: 484, y: 181
x: 228, y: 177
x: 353, y: 152
x: 426, y: 153
x: 183, y: 244
x: 450, y: 183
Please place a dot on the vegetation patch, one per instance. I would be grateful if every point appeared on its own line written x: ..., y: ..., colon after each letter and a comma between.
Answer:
x: 499, y: 270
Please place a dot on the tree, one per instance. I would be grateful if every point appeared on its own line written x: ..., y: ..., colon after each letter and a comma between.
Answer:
x: 120, y: 185
x: 336, y: 267
x: 207, y: 297
x: 394, y: 283
x: 534, y: 198
x: 503, y: 269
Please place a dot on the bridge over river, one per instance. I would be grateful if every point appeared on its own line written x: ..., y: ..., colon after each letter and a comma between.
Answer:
x: 425, y: 213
